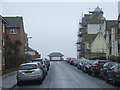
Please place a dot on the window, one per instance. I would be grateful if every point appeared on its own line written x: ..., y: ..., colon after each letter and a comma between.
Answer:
x: 119, y: 40
x: 119, y: 25
x: 3, y: 42
x: 13, y: 31
x: 3, y: 28
x: 100, y: 27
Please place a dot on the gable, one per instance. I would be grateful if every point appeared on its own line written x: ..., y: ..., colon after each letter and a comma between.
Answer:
x: 99, y: 44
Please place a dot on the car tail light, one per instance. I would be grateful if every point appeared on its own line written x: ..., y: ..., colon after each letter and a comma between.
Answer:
x: 36, y: 65
x: 117, y: 72
x: 20, y: 67
x: 96, y: 65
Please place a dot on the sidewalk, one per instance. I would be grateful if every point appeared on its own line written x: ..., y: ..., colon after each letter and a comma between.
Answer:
x: 9, y: 80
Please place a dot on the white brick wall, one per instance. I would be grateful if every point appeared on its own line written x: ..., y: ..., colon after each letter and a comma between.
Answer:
x: 118, y: 7
x: 0, y: 44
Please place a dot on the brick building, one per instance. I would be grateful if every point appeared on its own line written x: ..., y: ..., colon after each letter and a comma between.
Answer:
x: 2, y: 40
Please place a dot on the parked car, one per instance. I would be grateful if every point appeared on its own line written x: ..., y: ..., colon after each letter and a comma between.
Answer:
x: 80, y: 65
x: 47, y: 63
x: 29, y: 72
x: 105, y: 68
x: 96, y: 66
x: 42, y: 65
x: 68, y: 60
x: 75, y: 62
x: 113, y: 74
x: 88, y: 65
x: 71, y: 61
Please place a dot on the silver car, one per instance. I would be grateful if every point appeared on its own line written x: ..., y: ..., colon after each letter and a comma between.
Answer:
x: 29, y: 72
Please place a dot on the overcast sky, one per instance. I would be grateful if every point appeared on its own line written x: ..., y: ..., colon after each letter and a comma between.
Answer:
x: 53, y: 26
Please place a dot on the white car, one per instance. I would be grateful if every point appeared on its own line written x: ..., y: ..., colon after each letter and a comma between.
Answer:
x: 29, y: 72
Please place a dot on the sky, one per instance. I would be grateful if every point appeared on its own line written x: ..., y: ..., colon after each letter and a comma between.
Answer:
x: 53, y: 26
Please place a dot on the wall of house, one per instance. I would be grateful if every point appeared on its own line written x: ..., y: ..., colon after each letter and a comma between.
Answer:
x: 19, y: 36
x: 108, y: 44
x: 0, y: 44
x: 114, y: 42
x: 92, y: 28
x: 99, y: 45
x: 95, y: 28
x: 119, y: 8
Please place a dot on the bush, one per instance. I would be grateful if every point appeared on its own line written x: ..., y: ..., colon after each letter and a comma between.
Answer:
x: 114, y: 58
x: 100, y: 58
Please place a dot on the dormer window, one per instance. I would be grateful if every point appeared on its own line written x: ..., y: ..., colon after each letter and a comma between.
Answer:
x: 13, y: 31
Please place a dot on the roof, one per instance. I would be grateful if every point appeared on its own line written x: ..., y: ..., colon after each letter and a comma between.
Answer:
x: 3, y: 19
x: 110, y: 23
x: 89, y: 38
x: 55, y: 54
x: 13, y: 21
x: 94, y: 20
x: 30, y: 49
x: 97, y: 9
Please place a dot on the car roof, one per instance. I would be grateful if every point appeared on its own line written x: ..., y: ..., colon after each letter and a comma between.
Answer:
x: 102, y: 60
x: 29, y: 63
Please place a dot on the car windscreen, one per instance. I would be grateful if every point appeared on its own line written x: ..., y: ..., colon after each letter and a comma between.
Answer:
x: 28, y: 67
x: 118, y: 66
x: 101, y: 63
x: 91, y: 62
x: 38, y: 61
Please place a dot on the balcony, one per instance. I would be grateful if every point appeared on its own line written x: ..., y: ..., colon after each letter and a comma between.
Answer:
x: 78, y: 50
x: 79, y: 34
x: 78, y: 43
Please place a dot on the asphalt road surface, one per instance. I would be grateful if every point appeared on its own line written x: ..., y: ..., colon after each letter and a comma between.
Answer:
x: 63, y: 75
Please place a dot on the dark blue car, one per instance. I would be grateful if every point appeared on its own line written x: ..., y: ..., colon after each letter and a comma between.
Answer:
x: 113, y: 74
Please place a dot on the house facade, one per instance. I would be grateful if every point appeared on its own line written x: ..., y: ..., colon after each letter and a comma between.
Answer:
x: 95, y: 45
x: 2, y: 41
x: 111, y: 37
x: 99, y: 46
x: 15, y: 31
x: 14, y: 42
x: 91, y: 23
x: 119, y: 28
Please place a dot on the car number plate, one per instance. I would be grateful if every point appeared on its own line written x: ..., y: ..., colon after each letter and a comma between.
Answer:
x: 28, y: 72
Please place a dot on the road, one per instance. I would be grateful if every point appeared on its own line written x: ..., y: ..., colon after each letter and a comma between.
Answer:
x: 63, y: 75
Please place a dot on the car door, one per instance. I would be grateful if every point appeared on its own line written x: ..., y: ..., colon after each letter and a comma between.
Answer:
x: 111, y: 72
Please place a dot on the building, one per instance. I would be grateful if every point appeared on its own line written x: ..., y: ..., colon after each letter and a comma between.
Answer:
x: 55, y: 56
x: 31, y: 54
x: 119, y: 28
x: 91, y: 23
x: 119, y: 8
x: 15, y: 41
x: 111, y: 37
x: 95, y: 45
x: 2, y: 40
x: 15, y: 31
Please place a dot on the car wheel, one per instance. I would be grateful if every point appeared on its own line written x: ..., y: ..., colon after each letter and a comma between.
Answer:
x: 114, y: 82
x: 89, y: 73
x: 94, y: 74
x: 19, y: 83
x: 39, y: 81
x: 100, y: 76
x: 106, y: 79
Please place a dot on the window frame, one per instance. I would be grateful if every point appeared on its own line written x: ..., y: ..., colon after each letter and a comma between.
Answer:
x: 13, y: 31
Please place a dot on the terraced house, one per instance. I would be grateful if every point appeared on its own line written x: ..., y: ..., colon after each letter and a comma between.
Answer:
x: 2, y: 40
x: 119, y: 28
x: 91, y: 25
x: 15, y: 41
